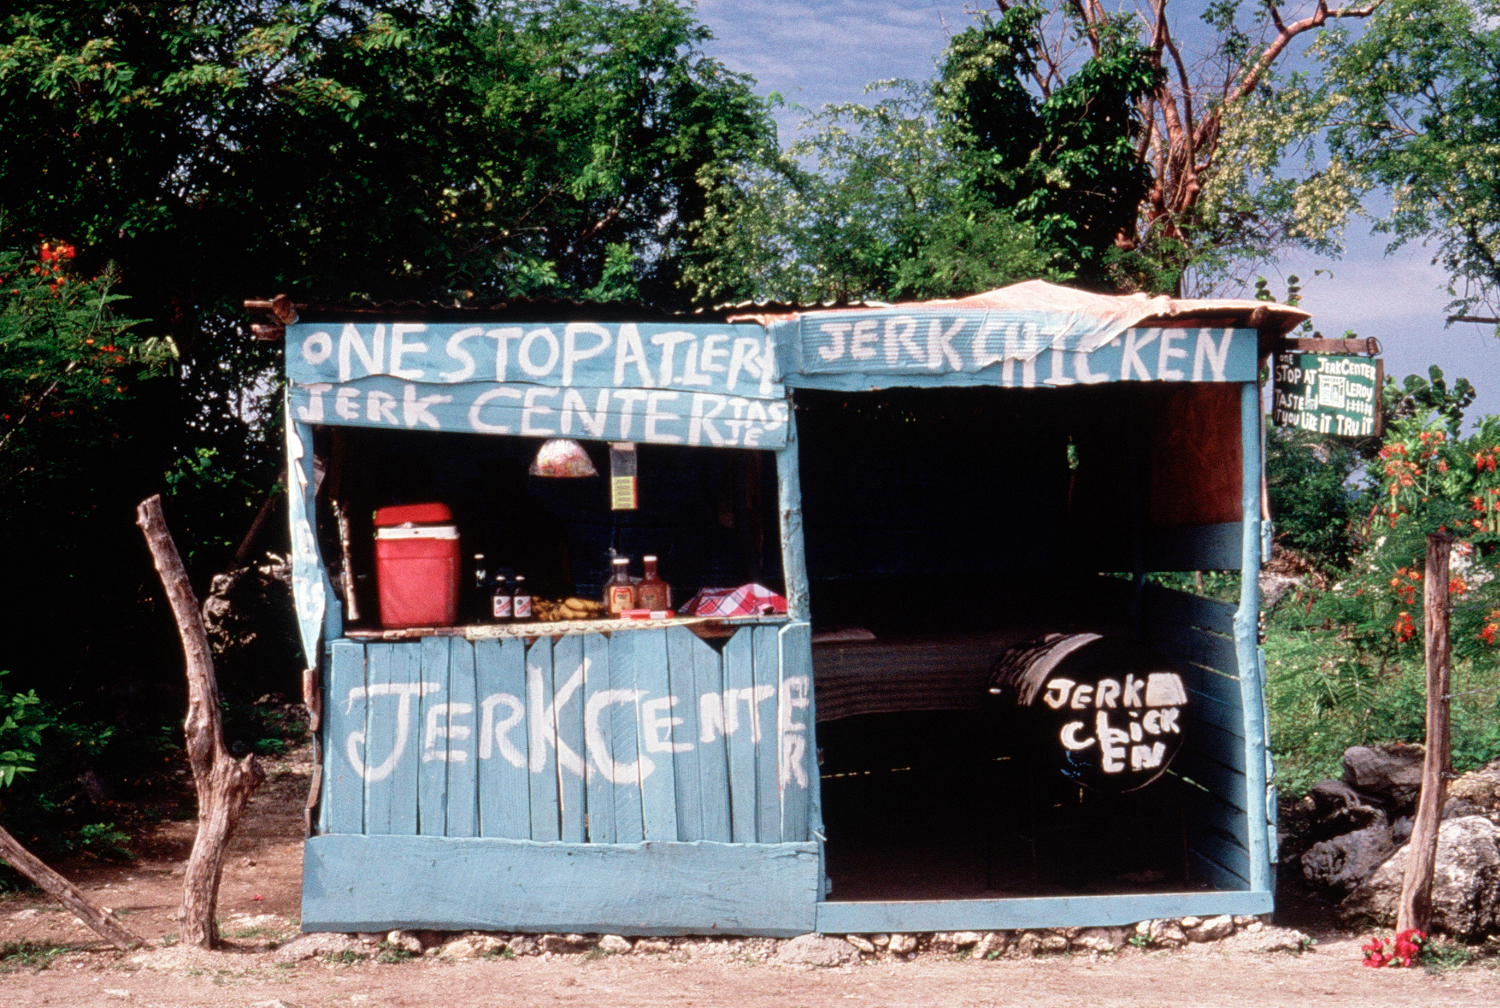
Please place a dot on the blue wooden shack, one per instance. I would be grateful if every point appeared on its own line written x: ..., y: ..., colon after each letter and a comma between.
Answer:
x: 927, y: 484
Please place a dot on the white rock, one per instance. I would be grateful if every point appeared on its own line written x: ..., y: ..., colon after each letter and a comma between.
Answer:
x: 1465, y: 885
x: 615, y: 944
x: 902, y: 943
x: 992, y: 945
x: 1054, y: 941
x: 817, y: 950
x: 653, y: 946
x: 561, y: 944
x: 1209, y: 929
x: 407, y: 941
x: 319, y: 943
x: 860, y: 942
x: 955, y: 941
x: 1102, y: 939
x: 471, y: 946
x: 1167, y: 932
x: 880, y: 939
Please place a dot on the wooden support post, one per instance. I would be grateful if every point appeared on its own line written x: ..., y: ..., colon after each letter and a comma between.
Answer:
x: 224, y: 785
x: 1415, y: 910
x: 66, y: 893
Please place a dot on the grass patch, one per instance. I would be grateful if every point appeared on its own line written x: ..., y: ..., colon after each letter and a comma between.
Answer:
x: 28, y: 955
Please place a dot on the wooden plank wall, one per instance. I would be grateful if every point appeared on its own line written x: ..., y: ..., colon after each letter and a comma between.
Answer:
x: 1197, y: 634
x: 646, y: 735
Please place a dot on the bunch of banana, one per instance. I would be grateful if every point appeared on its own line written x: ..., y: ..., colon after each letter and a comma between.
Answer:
x: 549, y: 611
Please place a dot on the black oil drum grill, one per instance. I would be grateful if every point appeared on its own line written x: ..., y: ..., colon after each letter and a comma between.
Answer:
x: 1105, y: 709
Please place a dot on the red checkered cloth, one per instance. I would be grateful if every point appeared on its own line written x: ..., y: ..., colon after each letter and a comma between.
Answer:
x: 746, y: 600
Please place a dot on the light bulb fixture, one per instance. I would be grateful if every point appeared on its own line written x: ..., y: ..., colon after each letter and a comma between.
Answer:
x: 562, y: 458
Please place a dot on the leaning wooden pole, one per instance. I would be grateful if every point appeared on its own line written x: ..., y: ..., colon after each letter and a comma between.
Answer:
x: 1415, y: 910
x: 224, y: 784
x: 66, y: 893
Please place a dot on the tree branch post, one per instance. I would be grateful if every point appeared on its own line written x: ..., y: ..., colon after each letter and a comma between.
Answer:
x: 1415, y: 908
x: 224, y: 785
x: 66, y: 893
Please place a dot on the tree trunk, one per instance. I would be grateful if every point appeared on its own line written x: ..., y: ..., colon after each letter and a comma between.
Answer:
x: 1415, y: 909
x: 224, y: 785
x: 66, y: 893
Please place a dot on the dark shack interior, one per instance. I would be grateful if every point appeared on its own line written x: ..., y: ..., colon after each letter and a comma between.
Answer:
x: 943, y: 526
x: 708, y: 514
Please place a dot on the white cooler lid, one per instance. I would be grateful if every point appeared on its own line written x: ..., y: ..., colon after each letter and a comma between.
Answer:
x: 417, y: 532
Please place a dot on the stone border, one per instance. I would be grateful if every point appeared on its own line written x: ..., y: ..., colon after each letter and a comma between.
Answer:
x: 1243, y: 933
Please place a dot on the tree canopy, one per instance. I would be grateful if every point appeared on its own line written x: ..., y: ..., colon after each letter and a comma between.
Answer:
x: 1056, y: 140
x: 204, y: 153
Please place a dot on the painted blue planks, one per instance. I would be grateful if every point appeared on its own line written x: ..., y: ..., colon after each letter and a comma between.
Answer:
x: 1039, y: 912
x: 567, y: 716
x: 624, y: 743
x: 796, y: 763
x: 764, y: 711
x: 432, y: 770
x: 344, y: 717
x: 1224, y: 782
x: 409, y: 687
x: 1190, y: 644
x: 463, y: 757
x: 713, y: 753
x: 658, y: 786
x: 504, y: 778
x: 546, y: 822
x: 1169, y: 605
x: 738, y: 701
x: 682, y: 648
x: 451, y: 883
x: 380, y: 756
x: 597, y: 729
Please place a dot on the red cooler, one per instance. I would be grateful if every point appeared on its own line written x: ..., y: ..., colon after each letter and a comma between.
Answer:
x: 417, y: 565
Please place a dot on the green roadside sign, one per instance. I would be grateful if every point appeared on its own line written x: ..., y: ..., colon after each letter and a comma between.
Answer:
x: 1327, y: 393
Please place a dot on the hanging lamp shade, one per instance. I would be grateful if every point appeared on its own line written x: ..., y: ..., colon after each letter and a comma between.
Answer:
x: 562, y: 458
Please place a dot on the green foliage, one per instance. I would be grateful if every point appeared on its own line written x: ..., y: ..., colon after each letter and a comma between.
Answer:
x: 1312, y: 503
x: 1066, y: 162
x: 1416, y: 397
x: 1345, y: 664
x: 28, y: 955
x: 889, y: 211
x: 1418, y: 112
x: 234, y: 149
x: 66, y: 362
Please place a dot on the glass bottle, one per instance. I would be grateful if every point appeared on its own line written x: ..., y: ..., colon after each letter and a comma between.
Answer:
x: 653, y: 593
x: 501, y: 597
x: 520, y: 605
x: 480, y: 599
x: 619, y: 592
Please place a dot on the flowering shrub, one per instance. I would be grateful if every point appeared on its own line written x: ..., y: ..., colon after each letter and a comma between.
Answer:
x: 65, y: 361
x: 1344, y: 654
x: 1406, y: 949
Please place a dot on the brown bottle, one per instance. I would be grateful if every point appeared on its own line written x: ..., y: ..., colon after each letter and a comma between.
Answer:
x: 619, y: 593
x: 520, y: 602
x: 652, y: 593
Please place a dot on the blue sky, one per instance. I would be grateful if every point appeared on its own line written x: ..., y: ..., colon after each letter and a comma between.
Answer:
x: 819, y: 51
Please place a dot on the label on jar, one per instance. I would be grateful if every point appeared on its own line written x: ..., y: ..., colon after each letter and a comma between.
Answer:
x: 523, y: 607
x: 654, y: 596
x: 621, y: 597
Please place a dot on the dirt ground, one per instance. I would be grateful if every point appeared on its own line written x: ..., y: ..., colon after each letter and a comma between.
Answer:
x: 52, y: 960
